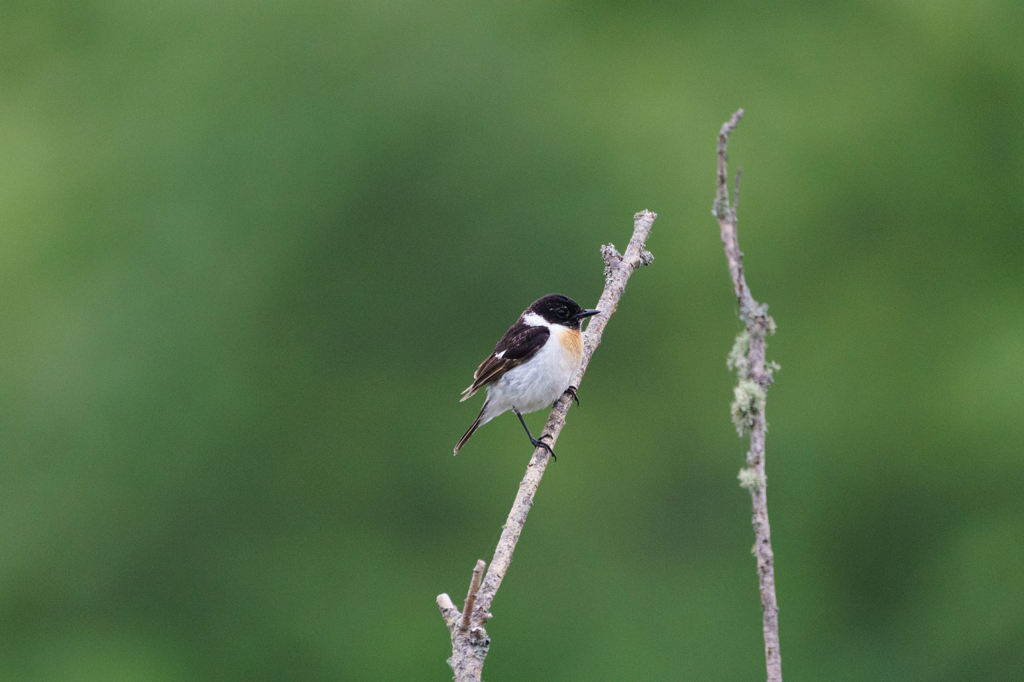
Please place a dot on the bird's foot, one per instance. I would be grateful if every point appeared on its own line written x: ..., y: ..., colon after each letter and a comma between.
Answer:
x: 539, y: 443
x: 572, y: 391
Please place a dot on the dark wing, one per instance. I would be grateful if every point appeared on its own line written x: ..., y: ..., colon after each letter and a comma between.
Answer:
x: 520, y: 343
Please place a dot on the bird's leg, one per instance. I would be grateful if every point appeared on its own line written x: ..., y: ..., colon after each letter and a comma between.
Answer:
x: 572, y: 391
x: 537, y: 442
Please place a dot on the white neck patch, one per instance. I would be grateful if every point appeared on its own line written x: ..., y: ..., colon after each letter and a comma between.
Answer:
x: 535, y: 320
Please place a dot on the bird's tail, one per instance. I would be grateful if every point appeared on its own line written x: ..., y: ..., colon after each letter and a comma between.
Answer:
x: 472, y: 429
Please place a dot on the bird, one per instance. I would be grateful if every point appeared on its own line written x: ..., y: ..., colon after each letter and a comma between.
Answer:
x: 532, y: 365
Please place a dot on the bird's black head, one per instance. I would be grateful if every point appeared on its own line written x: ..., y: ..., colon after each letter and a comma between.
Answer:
x: 558, y: 309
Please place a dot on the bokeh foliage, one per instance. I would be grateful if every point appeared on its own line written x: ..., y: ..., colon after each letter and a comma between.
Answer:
x: 252, y: 251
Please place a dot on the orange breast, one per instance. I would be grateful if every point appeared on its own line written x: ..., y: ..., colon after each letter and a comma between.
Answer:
x: 572, y: 341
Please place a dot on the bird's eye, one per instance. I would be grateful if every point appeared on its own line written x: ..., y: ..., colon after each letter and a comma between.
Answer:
x: 562, y: 313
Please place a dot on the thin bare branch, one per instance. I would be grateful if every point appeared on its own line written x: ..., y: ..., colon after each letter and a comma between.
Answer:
x: 470, y: 647
x: 474, y: 585
x: 470, y: 642
x: 736, y: 197
x: 755, y: 376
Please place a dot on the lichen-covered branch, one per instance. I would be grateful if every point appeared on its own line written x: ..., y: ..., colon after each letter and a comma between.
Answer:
x: 748, y: 409
x: 470, y: 643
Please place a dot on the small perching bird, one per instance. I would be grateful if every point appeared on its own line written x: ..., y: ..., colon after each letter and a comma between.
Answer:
x: 533, y: 363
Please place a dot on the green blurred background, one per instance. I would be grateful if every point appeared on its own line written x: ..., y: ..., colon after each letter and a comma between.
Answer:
x: 253, y: 251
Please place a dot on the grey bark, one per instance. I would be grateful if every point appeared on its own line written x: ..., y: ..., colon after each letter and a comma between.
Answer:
x: 748, y: 408
x: 470, y: 642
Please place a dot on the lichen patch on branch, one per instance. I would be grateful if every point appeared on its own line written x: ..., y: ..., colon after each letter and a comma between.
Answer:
x: 749, y: 401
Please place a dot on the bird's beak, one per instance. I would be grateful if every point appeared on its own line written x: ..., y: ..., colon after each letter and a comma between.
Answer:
x: 585, y: 313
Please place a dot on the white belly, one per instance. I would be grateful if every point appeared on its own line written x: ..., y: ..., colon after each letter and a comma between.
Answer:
x: 535, y: 384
